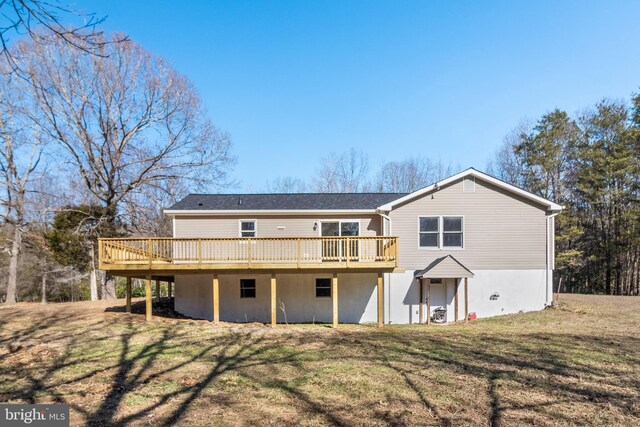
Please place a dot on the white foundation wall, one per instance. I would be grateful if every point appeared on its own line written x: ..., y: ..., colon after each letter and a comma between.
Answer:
x: 518, y: 290
x: 357, y: 298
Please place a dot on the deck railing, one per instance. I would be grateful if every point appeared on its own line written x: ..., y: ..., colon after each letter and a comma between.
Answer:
x: 301, y: 251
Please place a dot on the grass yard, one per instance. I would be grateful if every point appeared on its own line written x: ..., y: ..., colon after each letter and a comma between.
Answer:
x: 575, y: 365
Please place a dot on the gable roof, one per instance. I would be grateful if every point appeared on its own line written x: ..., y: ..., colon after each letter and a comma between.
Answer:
x: 306, y: 203
x: 286, y: 203
x: 471, y: 172
x: 446, y: 267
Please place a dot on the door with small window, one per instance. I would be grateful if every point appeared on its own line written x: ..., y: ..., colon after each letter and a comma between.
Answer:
x: 336, y: 249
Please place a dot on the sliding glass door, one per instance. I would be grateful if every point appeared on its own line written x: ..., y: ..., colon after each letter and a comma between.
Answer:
x: 336, y: 250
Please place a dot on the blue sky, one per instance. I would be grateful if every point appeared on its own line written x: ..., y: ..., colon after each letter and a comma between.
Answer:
x: 292, y: 81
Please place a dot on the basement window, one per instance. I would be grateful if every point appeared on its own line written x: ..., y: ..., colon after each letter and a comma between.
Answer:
x: 323, y: 288
x: 247, y: 288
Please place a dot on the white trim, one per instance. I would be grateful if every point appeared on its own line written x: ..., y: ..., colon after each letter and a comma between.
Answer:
x: 173, y: 226
x: 441, y: 246
x: 271, y: 212
x: 255, y: 227
x: 554, y: 207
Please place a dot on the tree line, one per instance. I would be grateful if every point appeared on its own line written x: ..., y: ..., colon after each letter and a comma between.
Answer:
x: 590, y: 164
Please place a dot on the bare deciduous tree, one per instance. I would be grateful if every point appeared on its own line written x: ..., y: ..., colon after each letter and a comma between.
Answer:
x: 342, y: 173
x: 287, y: 184
x: 40, y: 20
x: 125, y: 120
x: 506, y: 165
x: 20, y: 155
x: 410, y: 175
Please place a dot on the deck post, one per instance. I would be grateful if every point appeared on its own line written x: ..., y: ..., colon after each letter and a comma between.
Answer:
x: 466, y: 299
x: 455, y: 301
x: 157, y: 290
x: 147, y: 295
x: 128, y: 309
x: 380, y: 300
x: 274, y: 308
x: 169, y: 286
x: 420, y: 301
x: 428, y: 301
x: 216, y: 298
x: 334, y: 298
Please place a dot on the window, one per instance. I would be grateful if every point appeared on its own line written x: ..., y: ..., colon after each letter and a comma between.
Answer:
x: 247, y: 288
x: 248, y: 228
x: 452, y: 231
x: 429, y: 232
x: 438, y: 232
x: 323, y: 288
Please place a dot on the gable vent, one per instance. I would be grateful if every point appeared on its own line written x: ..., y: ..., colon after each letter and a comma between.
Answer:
x: 469, y: 185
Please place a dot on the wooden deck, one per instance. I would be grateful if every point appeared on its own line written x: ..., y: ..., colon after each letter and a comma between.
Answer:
x: 171, y: 256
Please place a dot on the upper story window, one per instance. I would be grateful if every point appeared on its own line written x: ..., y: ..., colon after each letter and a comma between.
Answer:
x: 441, y: 232
x: 452, y: 231
x: 429, y: 232
x: 248, y: 228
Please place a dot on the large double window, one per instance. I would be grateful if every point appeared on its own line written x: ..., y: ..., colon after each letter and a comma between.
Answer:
x: 441, y: 232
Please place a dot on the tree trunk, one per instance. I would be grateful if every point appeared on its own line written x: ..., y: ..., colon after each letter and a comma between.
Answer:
x: 93, y: 280
x: 13, y: 265
x: 44, y: 289
x: 109, y: 286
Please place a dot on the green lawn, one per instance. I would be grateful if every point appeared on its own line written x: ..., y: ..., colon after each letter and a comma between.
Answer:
x: 576, y: 365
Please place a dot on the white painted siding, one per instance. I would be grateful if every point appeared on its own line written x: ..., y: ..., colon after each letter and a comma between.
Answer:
x: 519, y: 290
x: 357, y: 298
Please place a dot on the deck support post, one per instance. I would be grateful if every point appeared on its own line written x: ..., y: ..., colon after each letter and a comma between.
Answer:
x: 216, y: 298
x: 428, y: 301
x: 128, y: 309
x: 334, y: 298
x: 147, y: 295
x: 420, y: 301
x: 274, y: 308
x: 466, y: 299
x: 169, y: 288
x: 455, y: 301
x: 380, y: 300
x: 157, y: 290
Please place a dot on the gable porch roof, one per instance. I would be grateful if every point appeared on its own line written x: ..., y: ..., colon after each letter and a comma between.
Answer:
x: 446, y: 267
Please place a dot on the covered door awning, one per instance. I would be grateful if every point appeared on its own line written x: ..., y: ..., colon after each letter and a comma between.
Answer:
x: 446, y: 267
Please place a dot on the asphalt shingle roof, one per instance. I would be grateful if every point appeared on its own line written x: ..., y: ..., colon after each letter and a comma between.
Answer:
x: 298, y: 201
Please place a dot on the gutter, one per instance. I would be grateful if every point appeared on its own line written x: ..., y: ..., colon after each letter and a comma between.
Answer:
x: 310, y: 212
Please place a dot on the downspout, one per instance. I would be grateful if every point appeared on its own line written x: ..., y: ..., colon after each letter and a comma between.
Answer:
x: 548, y: 301
x: 387, y: 288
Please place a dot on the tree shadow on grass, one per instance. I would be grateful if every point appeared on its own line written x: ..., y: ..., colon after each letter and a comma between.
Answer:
x: 111, y: 360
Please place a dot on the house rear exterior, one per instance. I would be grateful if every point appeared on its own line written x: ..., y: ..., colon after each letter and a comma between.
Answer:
x: 470, y: 243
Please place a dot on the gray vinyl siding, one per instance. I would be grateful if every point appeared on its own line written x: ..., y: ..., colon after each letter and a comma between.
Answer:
x: 267, y: 226
x: 448, y: 268
x: 501, y: 230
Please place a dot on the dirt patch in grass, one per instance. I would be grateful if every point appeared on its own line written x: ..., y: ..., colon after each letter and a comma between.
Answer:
x: 577, y: 365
